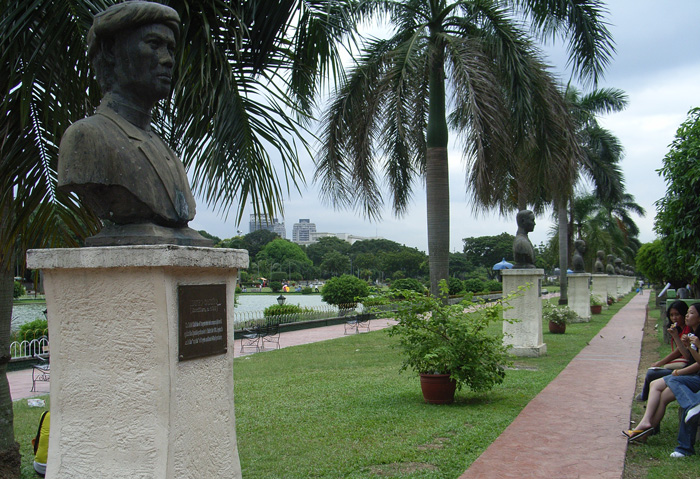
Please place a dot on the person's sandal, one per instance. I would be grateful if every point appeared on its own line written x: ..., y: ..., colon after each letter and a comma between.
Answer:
x: 638, y: 435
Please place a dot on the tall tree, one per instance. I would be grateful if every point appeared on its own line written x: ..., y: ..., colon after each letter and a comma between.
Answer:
x: 393, y: 106
x: 241, y: 68
x: 599, y: 158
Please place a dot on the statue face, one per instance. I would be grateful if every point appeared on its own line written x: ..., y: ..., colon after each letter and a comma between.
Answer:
x: 529, y: 222
x: 144, y: 63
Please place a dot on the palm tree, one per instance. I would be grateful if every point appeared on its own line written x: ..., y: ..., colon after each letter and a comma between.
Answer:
x: 392, y: 109
x: 599, y: 160
x: 242, y: 68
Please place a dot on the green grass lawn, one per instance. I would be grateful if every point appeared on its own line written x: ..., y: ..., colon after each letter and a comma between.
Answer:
x: 341, y: 409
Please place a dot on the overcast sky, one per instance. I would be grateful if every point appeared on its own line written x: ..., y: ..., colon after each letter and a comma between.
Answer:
x: 657, y: 64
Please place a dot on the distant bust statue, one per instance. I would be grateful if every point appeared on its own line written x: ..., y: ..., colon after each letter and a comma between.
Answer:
x: 523, y: 251
x: 599, y: 267
x: 618, y: 266
x: 577, y: 261
x: 113, y: 160
x: 609, y: 267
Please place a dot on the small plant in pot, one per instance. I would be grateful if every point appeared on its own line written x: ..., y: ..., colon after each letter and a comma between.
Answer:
x: 611, y: 300
x: 449, y: 344
x: 596, y: 305
x: 557, y: 317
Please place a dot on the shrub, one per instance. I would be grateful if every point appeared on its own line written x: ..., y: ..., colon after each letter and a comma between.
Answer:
x: 33, y: 329
x: 278, y: 276
x: 455, y: 285
x: 275, y: 286
x: 493, y: 285
x: 20, y: 290
x: 238, y: 289
x: 284, y: 309
x: 474, y: 285
x: 345, y: 289
x: 306, y: 290
x: 452, y: 339
x: 408, y: 283
x: 558, y: 314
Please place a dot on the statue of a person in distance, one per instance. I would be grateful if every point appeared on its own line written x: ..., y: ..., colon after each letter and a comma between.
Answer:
x: 577, y: 260
x: 523, y: 251
x: 599, y: 268
x: 609, y: 267
x: 618, y: 266
x: 113, y: 160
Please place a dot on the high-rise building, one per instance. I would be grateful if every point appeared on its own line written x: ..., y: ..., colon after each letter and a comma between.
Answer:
x: 302, y: 230
x: 262, y: 222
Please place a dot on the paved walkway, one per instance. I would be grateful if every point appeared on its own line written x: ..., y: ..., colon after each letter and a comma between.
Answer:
x: 570, y: 430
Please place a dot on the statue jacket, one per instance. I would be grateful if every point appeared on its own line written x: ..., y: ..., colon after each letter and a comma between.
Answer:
x: 125, y: 174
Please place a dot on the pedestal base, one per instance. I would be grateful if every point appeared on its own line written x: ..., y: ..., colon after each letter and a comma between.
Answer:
x: 580, y: 295
x: 123, y: 403
x: 524, y: 336
x: 599, y: 288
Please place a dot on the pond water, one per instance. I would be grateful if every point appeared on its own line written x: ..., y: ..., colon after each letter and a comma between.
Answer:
x: 23, y: 313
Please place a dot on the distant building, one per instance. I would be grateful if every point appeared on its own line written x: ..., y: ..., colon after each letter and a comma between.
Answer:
x: 301, y: 231
x: 262, y: 222
x: 350, y: 238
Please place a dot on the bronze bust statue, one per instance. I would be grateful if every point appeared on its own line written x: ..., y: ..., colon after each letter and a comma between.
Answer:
x: 599, y: 268
x: 577, y: 260
x: 113, y: 160
x: 523, y: 251
x: 610, y: 267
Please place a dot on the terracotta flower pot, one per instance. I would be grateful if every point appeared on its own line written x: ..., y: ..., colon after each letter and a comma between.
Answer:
x: 555, y: 328
x: 596, y: 308
x: 438, y: 388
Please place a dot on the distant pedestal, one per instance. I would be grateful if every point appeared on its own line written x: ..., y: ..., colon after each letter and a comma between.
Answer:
x: 524, y: 336
x: 612, y: 286
x: 580, y: 295
x: 599, y: 288
x: 141, y: 361
x: 620, y: 284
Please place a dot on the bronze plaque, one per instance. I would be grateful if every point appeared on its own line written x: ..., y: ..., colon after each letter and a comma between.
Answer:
x: 201, y: 320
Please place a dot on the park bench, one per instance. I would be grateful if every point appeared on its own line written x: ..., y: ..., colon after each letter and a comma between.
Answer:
x: 357, y: 322
x: 40, y: 371
x: 257, y: 336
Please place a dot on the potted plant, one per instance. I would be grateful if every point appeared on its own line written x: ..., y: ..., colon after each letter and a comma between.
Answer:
x: 448, y: 345
x: 557, y: 317
x: 611, y: 300
x: 596, y: 305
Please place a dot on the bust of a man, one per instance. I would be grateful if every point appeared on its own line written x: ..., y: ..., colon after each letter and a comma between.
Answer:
x: 523, y: 251
x: 618, y: 266
x: 610, y: 267
x: 599, y: 267
x: 577, y: 260
x: 113, y: 160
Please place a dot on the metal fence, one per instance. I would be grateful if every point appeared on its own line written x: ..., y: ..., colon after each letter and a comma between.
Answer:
x: 248, y: 319
x: 29, y: 348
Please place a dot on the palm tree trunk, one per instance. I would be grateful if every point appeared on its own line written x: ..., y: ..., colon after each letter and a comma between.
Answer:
x: 437, y: 178
x: 563, y: 218
x: 9, y: 449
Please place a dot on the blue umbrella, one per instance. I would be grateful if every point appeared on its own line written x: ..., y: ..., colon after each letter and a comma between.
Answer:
x: 502, y: 265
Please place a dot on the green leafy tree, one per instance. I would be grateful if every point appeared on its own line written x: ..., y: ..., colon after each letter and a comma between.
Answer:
x: 393, y: 104
x: 678, y: 213
x: 317, y: 251
x: 335, y: 263
x: 652, y: 262
x: 345, y: 290
x: 408, y: 283
x: 280, y: 250
x: 409, y: 261
x: 460, y: 265
x: 488, y: 250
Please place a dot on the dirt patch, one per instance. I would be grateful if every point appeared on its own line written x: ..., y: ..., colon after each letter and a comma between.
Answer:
x: 402, y: 468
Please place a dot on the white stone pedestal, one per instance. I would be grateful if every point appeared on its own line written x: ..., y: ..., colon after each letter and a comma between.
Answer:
x: 620, y: 284
x: 525, y: 336
x: 599, y: 288
x: 612, y: 286
x: 580, y: 295
x: 124, y: 403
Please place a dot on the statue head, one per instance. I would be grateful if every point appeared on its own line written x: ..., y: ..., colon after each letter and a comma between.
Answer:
x: 525, y: 220
x: 580, y: 246
x: 131, y: 47
x: 600, y: 254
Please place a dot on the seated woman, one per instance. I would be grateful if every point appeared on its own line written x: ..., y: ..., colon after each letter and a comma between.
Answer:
x: 663, y: 391
x: 676, y: 359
